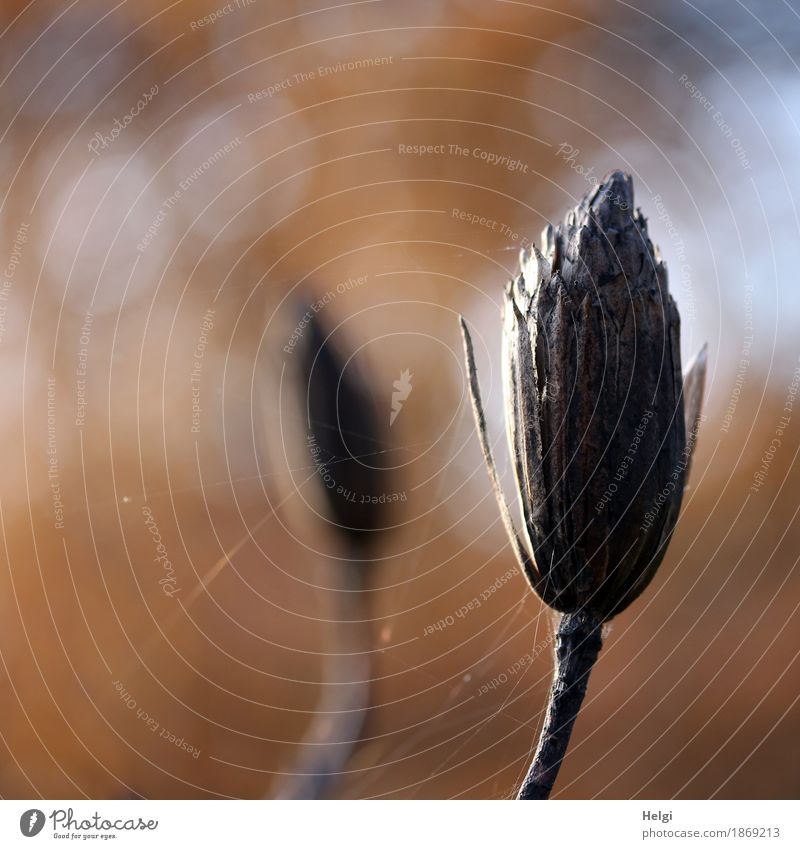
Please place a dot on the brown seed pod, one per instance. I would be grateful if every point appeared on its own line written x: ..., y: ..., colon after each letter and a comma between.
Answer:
x: 594, y: 406
x: 597, y: 416
x: 345, y: 435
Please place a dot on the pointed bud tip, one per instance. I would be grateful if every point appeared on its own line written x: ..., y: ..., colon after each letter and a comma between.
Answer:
x: 613, y: 192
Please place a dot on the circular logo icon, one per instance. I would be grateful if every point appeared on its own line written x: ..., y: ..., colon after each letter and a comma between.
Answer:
x: 31, y: 822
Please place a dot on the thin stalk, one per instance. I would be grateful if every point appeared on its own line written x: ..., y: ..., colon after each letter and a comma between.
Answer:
x: 578, y: 642
x: 339, y: 717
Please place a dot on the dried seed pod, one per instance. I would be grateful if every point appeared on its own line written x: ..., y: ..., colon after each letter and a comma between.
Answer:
x: 595, y: 406
x: 345, y: 435
x: 597, y: 418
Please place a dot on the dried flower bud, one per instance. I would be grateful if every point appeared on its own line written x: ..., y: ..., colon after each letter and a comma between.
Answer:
x: 594, y: 406
x: 345, y: 435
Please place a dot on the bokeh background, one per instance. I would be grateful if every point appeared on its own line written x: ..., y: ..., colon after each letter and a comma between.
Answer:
x: 176, y: 179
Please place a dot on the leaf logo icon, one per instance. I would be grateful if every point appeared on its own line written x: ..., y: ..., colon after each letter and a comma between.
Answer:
x: 402, y: 389
x: 32, y: 822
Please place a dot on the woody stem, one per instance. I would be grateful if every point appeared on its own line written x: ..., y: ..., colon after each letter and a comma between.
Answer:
x: 340, y: 716
x: 578, y: 643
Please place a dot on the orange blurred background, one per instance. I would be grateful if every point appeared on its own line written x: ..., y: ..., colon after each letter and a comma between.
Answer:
x: 174, y: 178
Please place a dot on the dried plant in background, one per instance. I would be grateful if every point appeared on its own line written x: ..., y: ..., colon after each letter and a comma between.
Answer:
x: 344, y: 436
x: 601, y: 428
